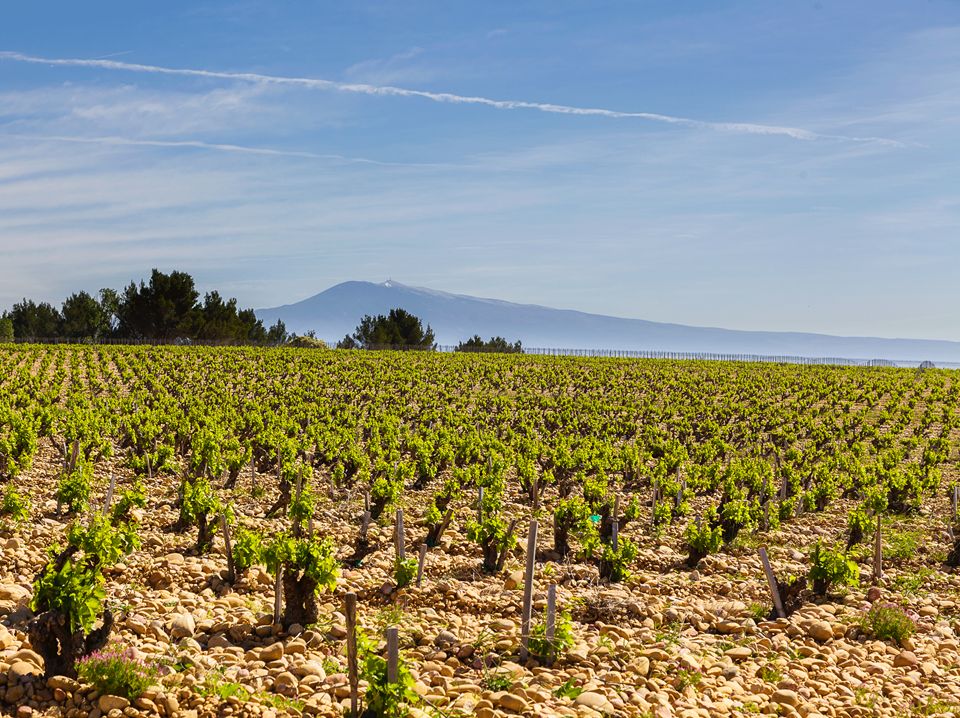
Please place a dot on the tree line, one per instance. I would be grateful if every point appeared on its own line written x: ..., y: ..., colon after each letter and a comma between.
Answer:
x: 167, y: 309
x: 400, y: 328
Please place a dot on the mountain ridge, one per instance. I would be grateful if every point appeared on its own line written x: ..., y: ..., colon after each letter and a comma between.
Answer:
x: 337, y: 311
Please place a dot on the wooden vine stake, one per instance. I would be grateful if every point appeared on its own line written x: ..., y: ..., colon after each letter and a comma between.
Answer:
x: 350, y: 611
x: 878, y: 554
x: 423, y: 558
x: 682, y: 485
x: 149, y: 470
x: 278, y: 596
x: 480, y: 505
x: 443, y: 526
x: 393, y: 654
x: 956, y: 500
x: 365, y: 524
x: 73, y: 456
x: 297, y: 529
x: 502, y: 558
x: 772, y: 582
x: 528, y: 591
x: 253, y: 476
x: 59, y: 500
x: 401, y: 542
x: 653, y: 505
x: 113, y: 486
x: 551, y: 621
x: 228, y: 548
x: 614, y: 534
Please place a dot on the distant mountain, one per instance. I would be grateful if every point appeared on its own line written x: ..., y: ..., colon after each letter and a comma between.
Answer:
x: 456, y: 317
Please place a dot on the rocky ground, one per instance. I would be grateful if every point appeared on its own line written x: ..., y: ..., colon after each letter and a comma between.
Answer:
x: 667, y: 642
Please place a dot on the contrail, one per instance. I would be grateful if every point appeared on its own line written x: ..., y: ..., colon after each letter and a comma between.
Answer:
x: 209, y: 146
x: 113, y: 54
x: 793, y: 132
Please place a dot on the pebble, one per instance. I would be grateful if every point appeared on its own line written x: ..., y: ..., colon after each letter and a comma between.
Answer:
x: 272, y: 652
x: 905, y: 659
x: 785, y: 697
x: 108, y: 703
x: 183, y: 626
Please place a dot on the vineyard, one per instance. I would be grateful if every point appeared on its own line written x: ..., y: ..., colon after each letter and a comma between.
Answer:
x: 199, y: 532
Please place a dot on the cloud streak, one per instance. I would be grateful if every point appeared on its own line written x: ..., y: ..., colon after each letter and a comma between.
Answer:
x: 376, y: 90
x: 209, y: 146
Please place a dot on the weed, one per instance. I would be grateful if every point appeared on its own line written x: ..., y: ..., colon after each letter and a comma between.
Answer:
x: 887, y: 620
x: 914, y: 582
x: 669, y: 633
x: 392, y: 615
x: 117, y: 671
x: 331, y: 666
x: 223, y: 690
x: 865, y: 697
x: 934, y: 707
x: 493, y: 681
x: 903, y: 544
x: 758, y: 611
x: 771, y: 673
x: 688, y: 677
x: 568, y: 690
x: 273, y: 700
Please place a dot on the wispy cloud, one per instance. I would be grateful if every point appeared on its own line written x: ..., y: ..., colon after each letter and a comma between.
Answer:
x: 208, y: 146
x: 738, y: 127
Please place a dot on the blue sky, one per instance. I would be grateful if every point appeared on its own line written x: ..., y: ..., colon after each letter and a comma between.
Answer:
x: 754, y: 165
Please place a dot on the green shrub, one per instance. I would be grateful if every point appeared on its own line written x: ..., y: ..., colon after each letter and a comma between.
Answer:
x: 199, y: 508
x: 614, y: 565
x: 385, y: 699
x: 15, y: 505
x: 76, y: 588
x: 74, y: 489
x: 662, y: 513
x: 562, y: 637
x: 785, y: 511
x: 73, y: 591
x: 860, y: 525
x: 302, y: 510
x: 128, y: 499
x: 404, y: 571
x: 247, y: 549
x: 829, y: 566
x: 491, y: 534
x: 116, y: 671
x: 315, y: 558
x: 702, y: 541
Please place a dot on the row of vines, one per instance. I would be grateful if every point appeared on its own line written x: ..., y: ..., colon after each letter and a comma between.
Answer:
x: 574, y: 434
